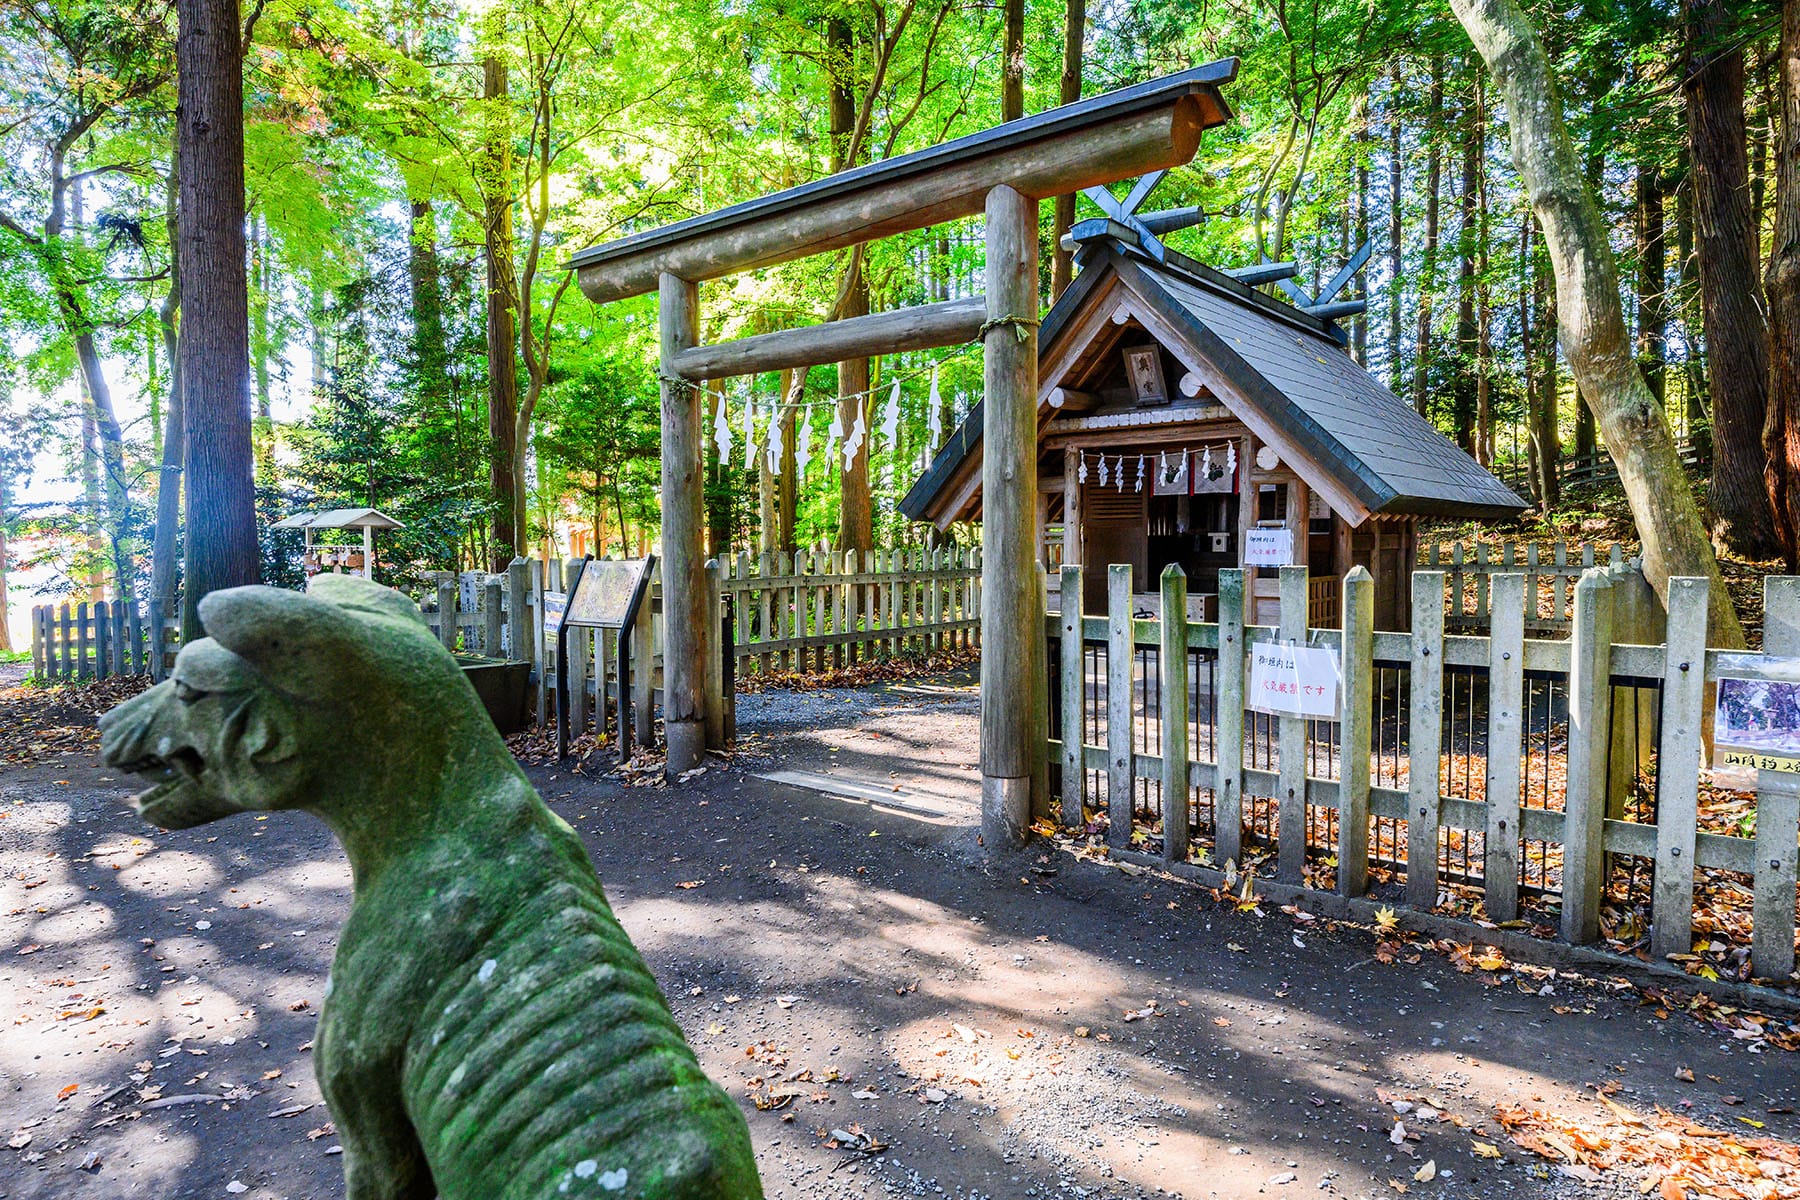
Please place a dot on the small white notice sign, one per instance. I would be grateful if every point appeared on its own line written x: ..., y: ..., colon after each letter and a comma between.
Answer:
x: 1294, y: 681
x: 1268, y: 547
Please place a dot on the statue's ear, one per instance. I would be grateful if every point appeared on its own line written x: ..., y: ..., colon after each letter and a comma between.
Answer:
x: 294, y: 641
x: 364, y: 596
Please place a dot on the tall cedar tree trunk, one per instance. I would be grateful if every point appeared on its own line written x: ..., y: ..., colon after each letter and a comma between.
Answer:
x: 1359, y: 325
x: 103, y: 444
x: 509, y: 537
x: 1585, y: 435
x: 431, y: 357
x: 1463, y: 397
x: 221, y: 544
x: 1693, y: 363
x: 856, y: 518
x: 1484, y: 312
x: 1737, y: 353
x: 1012, y: 75
x: 1062, y: 262
x: 1434, y: 172
x: 165, y: 543
x: 1590, y: 320
x: 1782, y: 433
x: 1652, y: 300
x: 1546, y: 437
x: 1396, y: 232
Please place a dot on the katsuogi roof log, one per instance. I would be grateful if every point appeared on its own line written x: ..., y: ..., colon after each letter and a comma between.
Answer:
x: 1123, y: 133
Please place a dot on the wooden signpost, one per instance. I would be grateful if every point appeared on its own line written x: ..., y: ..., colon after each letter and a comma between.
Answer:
x: 1005, y: 172
x: 606, y: 595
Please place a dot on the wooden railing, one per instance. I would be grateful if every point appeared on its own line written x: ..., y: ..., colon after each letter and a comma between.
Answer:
x: 1550, y: 572
x: 82, y: 641
x: 1533, y: 773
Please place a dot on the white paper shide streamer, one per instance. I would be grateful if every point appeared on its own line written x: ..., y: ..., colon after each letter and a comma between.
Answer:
x: 722, y: 429
x: 934, y: 420
x: 750, y: 430
x: 1081, y: 475
x: 890, y: 419
x: 803, y: 448
x: 775, y: 447
x: 858, y: 433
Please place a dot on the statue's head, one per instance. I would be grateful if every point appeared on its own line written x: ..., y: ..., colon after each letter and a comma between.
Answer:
x: 292, y: 701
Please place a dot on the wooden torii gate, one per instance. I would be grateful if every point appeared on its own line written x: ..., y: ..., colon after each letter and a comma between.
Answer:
x: 1005, y: 171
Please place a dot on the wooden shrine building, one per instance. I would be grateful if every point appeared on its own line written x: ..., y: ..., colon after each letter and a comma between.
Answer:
x: 1179, y: 409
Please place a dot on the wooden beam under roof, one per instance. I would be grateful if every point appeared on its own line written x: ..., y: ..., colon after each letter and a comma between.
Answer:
x: 923, y: 327
x: 1127, y: 132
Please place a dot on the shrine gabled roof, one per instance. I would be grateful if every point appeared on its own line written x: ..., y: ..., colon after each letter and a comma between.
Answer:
x: 1281, y: 371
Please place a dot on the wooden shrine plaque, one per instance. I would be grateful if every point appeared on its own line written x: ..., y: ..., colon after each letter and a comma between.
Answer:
x: 603, y: 593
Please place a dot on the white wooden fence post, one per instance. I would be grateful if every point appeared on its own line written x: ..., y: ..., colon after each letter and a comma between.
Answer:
x: 1506, y: 700
x: 1228, y: 786
x: 1291, y: 739
x: 1120, y: 784
x: 1777, y: 810
x: 1425, y: 731
x: 1590, y: 723
x: 1678, y: 768
x: 1355, y: 731
x: 1174, y: 708
x: 1074, y: 697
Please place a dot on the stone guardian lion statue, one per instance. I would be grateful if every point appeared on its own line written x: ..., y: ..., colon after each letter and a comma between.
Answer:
x: 489, y: 1032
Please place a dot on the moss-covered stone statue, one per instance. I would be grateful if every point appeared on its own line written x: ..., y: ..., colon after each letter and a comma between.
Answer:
x: 489, y: 1032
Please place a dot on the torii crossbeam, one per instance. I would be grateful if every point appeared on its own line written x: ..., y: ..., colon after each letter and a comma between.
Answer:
x: 1004, y: 171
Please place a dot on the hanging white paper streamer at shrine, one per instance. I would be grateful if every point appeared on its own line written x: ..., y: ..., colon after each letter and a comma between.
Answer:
x: 722, y: 429
x: 803, y: 448
x: 890, y: 420
x: 1230, y: 457
x: 1119, y: 473
x: 750, y: 430
x: 934, y: 419
x: 1103, y: 470
x: 775, y: 442
x: 1081, y: 475
x: 1143, y: 464
x: 858, y: 433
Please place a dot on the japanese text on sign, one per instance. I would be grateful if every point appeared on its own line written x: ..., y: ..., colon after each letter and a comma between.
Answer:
x: 555, y: 603
x: 1756, y: 719
x: 1294, y: 681
x: 1268, y: 547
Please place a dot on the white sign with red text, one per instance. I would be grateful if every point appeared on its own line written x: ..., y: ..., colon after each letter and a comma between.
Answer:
x: 1268, y: 547
x: 1294, y: 681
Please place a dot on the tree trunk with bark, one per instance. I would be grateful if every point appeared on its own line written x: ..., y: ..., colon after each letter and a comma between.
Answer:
x: 1591, y: 321
x: 1062, y: 262
x: 509, y: 536
x: 855, y: 511
x: 1396, y: 232
x: 1693, y: 364
x: 1652, y: 267
x: 1434, y: 172
x: 165, y: 542
x: 221, y: 544
x: 1463, y: 416
x: 1782, y: 431
x: 1737, y: 354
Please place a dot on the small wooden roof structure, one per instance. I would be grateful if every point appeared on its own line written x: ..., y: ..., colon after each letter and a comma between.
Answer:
x: 1280, y: 370
x: 339, y: 518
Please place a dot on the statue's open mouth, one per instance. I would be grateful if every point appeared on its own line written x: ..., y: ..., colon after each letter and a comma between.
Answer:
x: 168, y: 775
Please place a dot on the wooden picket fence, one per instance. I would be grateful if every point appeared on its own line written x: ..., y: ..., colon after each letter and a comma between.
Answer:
x: 1534, y: 775
x: 821, y: 608
x: 812, y: 611
x: 95, y: 641
x: 1550, y: 572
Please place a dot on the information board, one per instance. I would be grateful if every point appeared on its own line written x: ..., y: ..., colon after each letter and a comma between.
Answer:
x: 1268, y: 547
x: 554, y: 605
x: 603, y: 593
x: 1294, y: 681
x: 1756, y: 721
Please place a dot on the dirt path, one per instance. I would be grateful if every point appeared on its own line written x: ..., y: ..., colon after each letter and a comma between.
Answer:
x: 852, y: 965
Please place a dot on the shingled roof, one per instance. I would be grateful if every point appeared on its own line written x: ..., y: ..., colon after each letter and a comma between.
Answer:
x: 1280, y: 371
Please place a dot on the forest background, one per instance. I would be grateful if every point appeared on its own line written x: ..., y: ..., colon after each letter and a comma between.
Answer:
x: 416, y: 175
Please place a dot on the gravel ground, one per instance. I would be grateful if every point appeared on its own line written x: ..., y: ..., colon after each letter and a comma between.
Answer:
x: 856, y: 975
